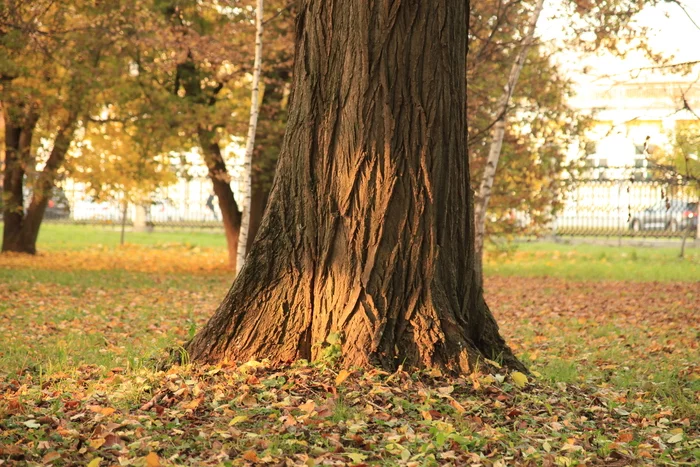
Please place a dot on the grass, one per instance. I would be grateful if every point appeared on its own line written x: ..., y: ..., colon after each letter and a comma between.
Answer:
x: 67, y: 237
x: 534, y: 259
x: 594, y: 262
x: 614, y: 358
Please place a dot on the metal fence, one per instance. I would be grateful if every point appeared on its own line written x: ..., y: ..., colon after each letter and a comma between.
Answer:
x: 630, y: 208
x: 188, y: 203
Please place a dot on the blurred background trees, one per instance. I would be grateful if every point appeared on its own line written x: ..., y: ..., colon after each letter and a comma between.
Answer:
x: 117, y: 89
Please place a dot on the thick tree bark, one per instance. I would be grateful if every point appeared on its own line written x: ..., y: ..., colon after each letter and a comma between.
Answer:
x: 499, y: 131
x: 369, y: 229
x: 258, y: 201
x: 221, y: 182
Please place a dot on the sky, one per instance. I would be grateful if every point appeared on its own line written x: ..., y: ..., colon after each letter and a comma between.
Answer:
x: 673, y: 33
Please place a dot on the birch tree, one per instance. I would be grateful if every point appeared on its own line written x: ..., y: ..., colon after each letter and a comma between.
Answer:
x: 254, y: 108
x: 498, y: 132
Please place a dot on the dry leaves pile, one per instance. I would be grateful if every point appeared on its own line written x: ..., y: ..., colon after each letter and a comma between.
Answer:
x: 167, y: 258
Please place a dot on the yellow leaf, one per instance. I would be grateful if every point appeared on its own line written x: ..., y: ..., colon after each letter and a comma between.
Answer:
x: 519, y: 379
x: 96, y: 443
x: 675, y: 439
x: 238, y: 419
x: 193, y: 404
x: 356, y: 457
x: 152, y: 460
x: 342, y: 376
x: 95, y: 462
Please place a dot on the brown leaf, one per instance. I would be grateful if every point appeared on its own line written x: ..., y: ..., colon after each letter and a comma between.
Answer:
x: 50, y: 457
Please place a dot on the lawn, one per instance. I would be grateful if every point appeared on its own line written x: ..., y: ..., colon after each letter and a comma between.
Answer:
x: 608, y: 333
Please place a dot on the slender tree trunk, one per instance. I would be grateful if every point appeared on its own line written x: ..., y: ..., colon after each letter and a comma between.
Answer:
x: 13, y: 197
x: 499, y: 130
x: 220, y: 180
x: 125, y: 205
x: 250, y: 146
x: 18, y: 143
x: 269, y: 134
x: 369, y: 229
x: 45, y: 183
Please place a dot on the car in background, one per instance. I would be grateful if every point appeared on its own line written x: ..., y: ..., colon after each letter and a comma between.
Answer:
x: 672, y: 215
x: 58, y: 206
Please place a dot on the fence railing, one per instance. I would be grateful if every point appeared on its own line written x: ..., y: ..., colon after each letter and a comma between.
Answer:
x: 630, y: 208
x: 188, y: 203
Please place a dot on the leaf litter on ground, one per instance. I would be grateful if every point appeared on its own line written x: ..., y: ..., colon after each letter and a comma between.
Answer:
x: 615, y: 380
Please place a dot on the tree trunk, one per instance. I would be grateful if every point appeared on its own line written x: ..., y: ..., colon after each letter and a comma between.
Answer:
x: 269, y: 135
x: 499, y: 131
x: 13, y: 197
x: 44, y: 185
x: 18, y: 143
x: 258, y: 201
x: 368, y: 233
x: 220, y: 180
x: 250, y: 145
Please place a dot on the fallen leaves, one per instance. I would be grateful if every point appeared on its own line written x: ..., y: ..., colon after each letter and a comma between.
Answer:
x: 170, y: 259
x: 102, y: 403
x: 342, y: 376
x: 152, y: 460
x: 519, y: 379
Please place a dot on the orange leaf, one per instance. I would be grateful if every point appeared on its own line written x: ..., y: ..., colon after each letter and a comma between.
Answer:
x: 457, y: 406
x: 624, y: 438
x: 308, y: 407
x: 250, y: 455
x: 152, y: 460
x: 102, y: 410
x: 342, y: 376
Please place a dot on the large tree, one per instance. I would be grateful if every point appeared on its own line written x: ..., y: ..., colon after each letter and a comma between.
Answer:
x: 369, y: 229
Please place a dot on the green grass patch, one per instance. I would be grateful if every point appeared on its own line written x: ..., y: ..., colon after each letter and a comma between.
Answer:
x: 62, y: 237
x: 595, y: 262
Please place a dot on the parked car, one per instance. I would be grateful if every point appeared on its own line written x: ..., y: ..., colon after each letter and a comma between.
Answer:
x: 673, y: 215
x: 58, y: 207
